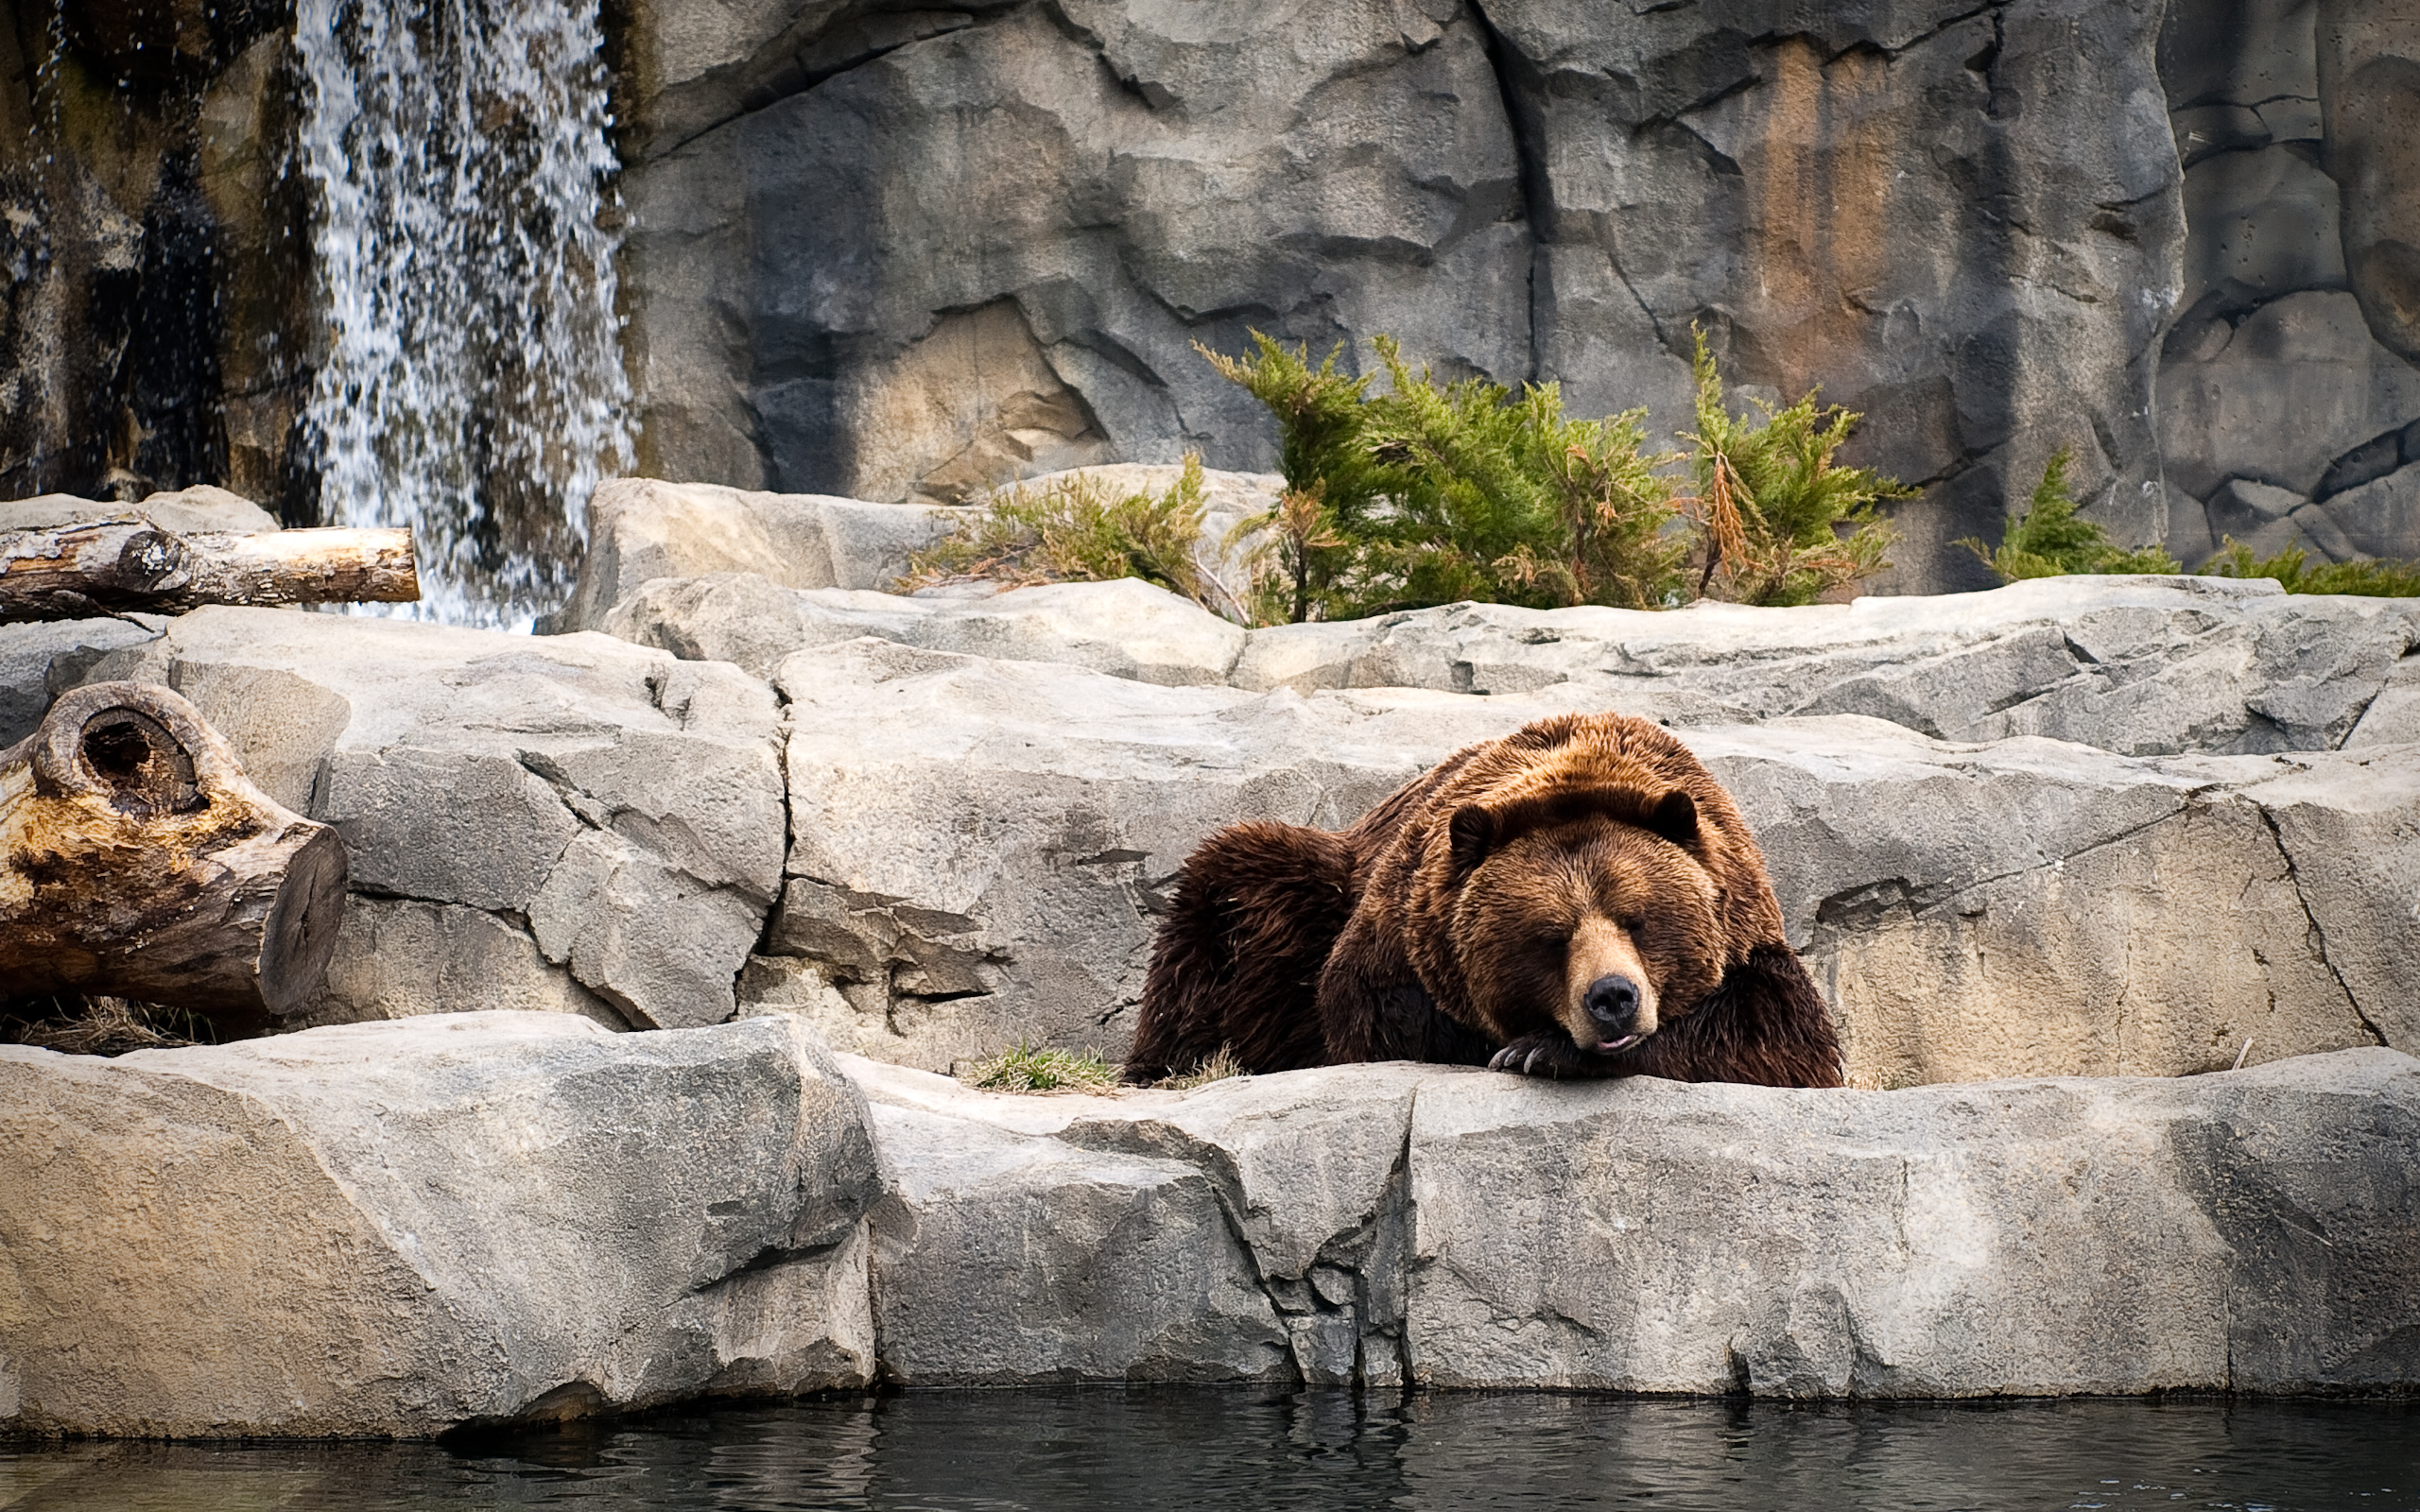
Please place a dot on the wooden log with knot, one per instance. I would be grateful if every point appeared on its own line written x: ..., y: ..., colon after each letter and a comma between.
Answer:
x: 111, y: 566
x: 138, y: 861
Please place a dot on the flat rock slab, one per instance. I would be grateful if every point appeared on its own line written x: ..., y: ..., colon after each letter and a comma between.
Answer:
x: 641, y: 529
x: 980, y: 848
x: 395, y: 1229
x: 567, y: 823
x: 2135, y: 666
x: 2244, y: 1231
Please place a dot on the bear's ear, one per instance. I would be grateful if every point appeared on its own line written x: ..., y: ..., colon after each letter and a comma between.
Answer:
x: 1675, y: 818
x: 1472, y: 833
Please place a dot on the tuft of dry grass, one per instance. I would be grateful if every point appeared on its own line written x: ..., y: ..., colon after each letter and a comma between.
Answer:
x: 1024, y: 1068
x: 1217, y: 1068
x: 80, y: 1025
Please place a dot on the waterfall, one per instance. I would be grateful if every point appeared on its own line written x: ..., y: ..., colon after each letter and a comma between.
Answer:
x: 472, y: 386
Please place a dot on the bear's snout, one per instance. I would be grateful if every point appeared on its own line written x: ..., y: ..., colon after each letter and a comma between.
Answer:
x: 1613, y: 1002
x: 1609, y: 1003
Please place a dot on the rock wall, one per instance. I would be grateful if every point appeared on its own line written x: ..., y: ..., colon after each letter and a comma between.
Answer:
x: 2112, y: 826
x: 890, y: 252
x: 154, y: 326
x: 890, y: 255
x: 398, y: 1229
x: 2289, y: 399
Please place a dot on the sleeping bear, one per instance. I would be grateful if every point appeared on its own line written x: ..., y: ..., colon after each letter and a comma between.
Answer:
x: 1579, y: 899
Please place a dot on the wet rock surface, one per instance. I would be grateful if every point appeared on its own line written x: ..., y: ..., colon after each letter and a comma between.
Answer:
x: 396, y: 1228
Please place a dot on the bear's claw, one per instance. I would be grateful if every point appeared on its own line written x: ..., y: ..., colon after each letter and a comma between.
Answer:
x: 1538, y: 1055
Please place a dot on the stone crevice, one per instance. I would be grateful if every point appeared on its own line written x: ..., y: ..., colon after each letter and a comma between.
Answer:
x: 802, y: 77
x: 2318, y: 934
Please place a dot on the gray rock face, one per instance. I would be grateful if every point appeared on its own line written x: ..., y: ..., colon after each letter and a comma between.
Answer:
x: 1456, y: 1228
x: 2139, y: 667
x: 842, y: 284
x: 2291, y: 361
x: 1942, y: 1242
x: 643, y: 532
x: 2280, y: 395
x: 395, y: 1229
x: 978, y: 846
x: 398, y: 1229
x: 641, y: 529
x: 1251, y: 1229
x: 570, y: 822
x: 38, y: 661
x: 1128, y: 628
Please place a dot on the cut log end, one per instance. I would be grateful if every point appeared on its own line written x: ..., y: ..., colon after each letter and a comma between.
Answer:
x: 299, y: 936
x: 136, y: 860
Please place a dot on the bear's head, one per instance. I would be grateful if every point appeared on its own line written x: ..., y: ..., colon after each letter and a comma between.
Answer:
x: 1586, y: 910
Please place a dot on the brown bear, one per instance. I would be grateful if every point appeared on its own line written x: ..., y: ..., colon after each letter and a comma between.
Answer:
x: 1580, y: 899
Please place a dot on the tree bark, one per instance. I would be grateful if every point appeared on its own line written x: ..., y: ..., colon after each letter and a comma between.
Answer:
x: 138, y: 861
x: 74, y: 572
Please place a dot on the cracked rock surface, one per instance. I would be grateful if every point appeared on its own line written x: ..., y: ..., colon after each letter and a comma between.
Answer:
x: 395, y: 1229
x: 2247, y: 1231
x: 567, y: 823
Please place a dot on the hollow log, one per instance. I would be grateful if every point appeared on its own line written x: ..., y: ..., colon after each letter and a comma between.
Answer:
x: 138, y: 861
x: 71, y: 572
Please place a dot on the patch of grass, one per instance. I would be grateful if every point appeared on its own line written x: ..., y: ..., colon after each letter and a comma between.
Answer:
x: 1024, y: 1068
x: 1219, y: 1067
x: 2048, y: 540
x: 2366, y: 576
x: 1078, y: 531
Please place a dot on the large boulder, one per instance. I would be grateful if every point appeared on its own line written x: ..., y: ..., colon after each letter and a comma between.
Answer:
x: 43, y: 659
x: 2135, y: 666
x: 643, y: 532
x: 1455, y: 1227
x: 1253, y: 1229
x: 398, y: 1229
x: 2247, y: 1232
x: 567, y: 822
x: 641, y: 529
x: 1128, y: 627
x: 202, y: 508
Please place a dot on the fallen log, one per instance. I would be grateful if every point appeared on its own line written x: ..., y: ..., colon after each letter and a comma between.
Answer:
x: 138, y: 861
x: 109, y: 566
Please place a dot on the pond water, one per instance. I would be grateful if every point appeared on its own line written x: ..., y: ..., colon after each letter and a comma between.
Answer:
x: 1073, y: 1449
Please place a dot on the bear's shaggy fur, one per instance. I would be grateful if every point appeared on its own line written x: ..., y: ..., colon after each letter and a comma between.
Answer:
x: 1580, y: 899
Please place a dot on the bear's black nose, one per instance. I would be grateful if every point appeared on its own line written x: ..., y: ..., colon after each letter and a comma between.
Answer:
x: 1612, y: 1001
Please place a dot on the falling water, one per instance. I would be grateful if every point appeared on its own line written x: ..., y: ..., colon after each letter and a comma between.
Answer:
x: 473, y: 385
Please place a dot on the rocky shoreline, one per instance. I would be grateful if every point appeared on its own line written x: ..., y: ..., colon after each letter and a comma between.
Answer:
x: 2051, y: 853
x: 398, y: 1229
